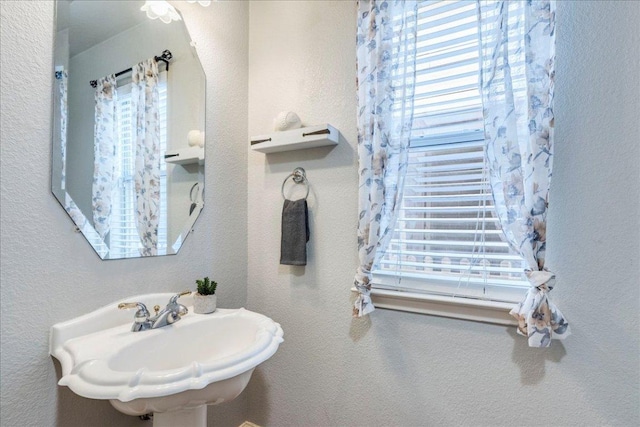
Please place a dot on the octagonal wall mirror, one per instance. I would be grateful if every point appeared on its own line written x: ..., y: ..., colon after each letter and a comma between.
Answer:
x: 128, y: 127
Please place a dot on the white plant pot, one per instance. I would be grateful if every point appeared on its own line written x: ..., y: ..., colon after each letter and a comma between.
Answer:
x: 204, y: 304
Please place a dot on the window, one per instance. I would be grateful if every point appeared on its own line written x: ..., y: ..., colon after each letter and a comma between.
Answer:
x: 447, y: 242
x: 124, y: 237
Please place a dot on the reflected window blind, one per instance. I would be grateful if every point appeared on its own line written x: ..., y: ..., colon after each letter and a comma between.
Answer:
x: 124, y: 238
x: 447, y: 240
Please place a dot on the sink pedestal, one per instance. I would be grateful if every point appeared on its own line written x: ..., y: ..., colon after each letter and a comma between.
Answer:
x: 188, y: 408
x: 192, y: 417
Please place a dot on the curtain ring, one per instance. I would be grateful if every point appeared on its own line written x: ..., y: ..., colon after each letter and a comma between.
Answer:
x: 299, y: 177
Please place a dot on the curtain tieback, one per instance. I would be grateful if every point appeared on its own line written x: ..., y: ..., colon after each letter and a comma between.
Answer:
x: 538, y: 318
x: 543, y: 280
x: 363, y: 304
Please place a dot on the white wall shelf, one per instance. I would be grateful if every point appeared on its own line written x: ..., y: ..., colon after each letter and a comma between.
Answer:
x: 185, y: 156
x: 296, y: 139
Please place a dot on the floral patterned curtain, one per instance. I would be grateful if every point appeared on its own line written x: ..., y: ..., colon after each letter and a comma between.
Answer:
x: 145, y: 101
x: 385, y: 70
x: 517, y: 83
x: 105, y: 138
x: 62, y: 79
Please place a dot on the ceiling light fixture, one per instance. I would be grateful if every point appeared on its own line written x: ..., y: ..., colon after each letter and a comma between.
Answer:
x: 204, y: 3
x: 160, y: 9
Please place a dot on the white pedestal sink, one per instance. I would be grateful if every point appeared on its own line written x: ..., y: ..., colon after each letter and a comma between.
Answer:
x: 174, y: 371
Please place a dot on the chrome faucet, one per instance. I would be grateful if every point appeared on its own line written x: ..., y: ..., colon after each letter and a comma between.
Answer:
x: 170, y: 314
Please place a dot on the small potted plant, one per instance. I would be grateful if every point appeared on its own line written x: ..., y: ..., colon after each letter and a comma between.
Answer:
x: 204, y: 301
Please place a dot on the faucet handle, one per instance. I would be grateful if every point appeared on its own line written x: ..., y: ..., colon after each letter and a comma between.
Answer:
x: 141, y: 318
x: 179, y: 309
x: 174, y: 298
x: 142, y: 309
x: 126, y: 305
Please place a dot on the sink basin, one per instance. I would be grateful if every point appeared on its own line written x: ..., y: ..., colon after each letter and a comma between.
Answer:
x: 204, y: 359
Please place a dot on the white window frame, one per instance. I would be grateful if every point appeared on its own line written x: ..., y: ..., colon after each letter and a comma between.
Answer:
x: 442, y: 298
x: 428, y: 296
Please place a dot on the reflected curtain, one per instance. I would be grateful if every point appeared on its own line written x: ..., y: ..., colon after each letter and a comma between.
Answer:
x: 105, y: 138
x: 385, y: 60
x: 145, y: 100
x: 517, y: 84
x: 62, y: 80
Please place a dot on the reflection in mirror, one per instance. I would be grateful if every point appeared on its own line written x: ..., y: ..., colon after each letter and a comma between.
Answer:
x: 128, y: 137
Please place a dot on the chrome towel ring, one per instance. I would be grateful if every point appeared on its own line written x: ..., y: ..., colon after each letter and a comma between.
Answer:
x: 299, y: 176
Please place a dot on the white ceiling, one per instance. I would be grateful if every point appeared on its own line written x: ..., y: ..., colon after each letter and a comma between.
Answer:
x: 93, y: 21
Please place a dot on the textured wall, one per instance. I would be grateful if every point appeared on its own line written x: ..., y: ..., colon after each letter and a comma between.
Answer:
x: 409, y: 369
x: 399, y: 369
x: 49, y: 273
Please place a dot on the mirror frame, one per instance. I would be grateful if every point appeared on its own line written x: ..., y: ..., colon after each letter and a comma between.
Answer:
x: 82, y: 224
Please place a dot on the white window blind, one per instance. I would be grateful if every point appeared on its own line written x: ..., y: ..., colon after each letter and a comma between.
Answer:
x: 124, y: 239
x: 447, y: 240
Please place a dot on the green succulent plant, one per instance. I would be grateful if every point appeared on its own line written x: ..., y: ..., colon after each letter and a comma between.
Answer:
x: 206, y: 286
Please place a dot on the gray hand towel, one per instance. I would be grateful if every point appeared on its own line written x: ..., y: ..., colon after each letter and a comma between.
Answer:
x: 295, y: 232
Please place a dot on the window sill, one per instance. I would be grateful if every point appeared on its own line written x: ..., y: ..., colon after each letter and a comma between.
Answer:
x: 436, y: 305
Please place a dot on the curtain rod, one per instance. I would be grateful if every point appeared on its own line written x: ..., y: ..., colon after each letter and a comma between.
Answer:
x: 165, y: 57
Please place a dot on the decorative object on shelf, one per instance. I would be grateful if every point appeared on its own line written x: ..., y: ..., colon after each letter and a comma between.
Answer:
x: 205, y: 299
x: 286, y: 120
x: 295, y: 224
x: 296, y: 139
x: 195, y: 138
